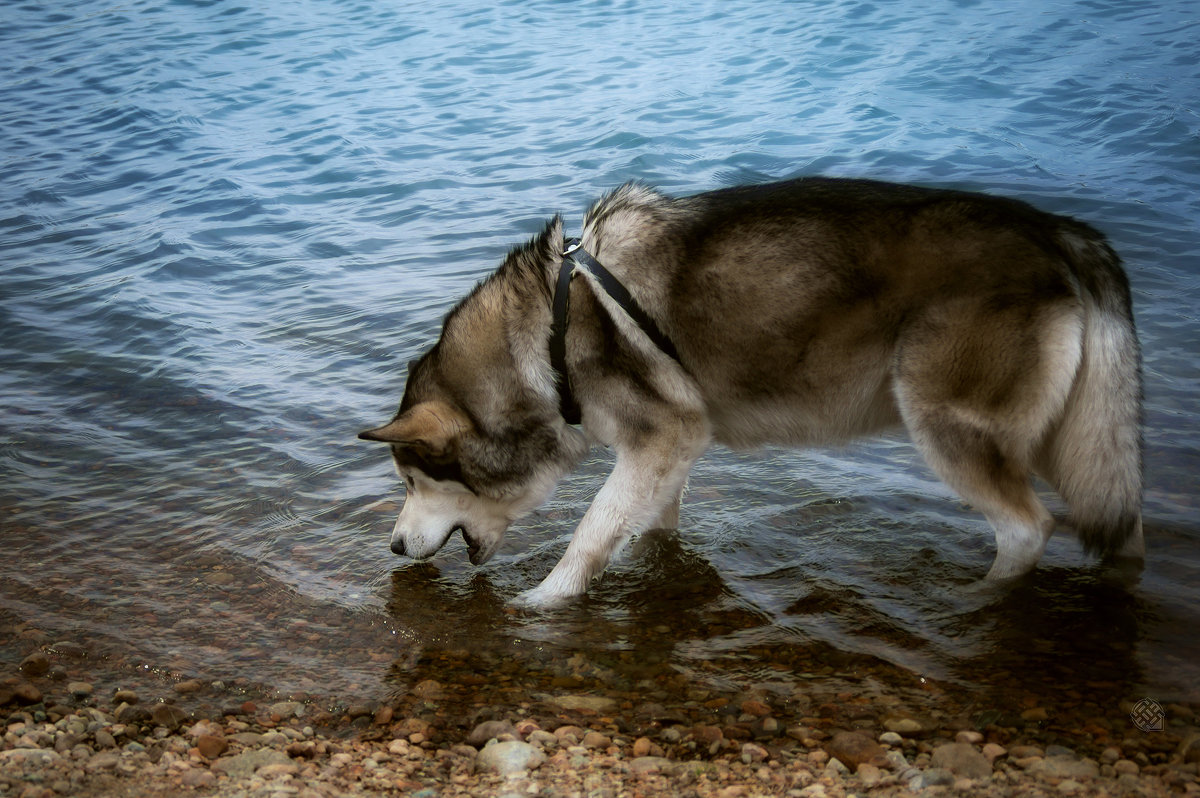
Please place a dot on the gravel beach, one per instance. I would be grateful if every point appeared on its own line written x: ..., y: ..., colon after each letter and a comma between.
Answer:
x: 72, y: 727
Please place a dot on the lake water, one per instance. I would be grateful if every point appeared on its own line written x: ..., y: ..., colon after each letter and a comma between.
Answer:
x: 225, y: 229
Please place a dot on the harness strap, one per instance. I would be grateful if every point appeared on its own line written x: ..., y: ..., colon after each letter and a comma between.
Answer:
x: 576, y: 257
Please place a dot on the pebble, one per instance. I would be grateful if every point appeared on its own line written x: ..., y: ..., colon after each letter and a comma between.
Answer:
x: 891, y: 738
x: 36, y: 664
x: 961, y: 759
x: 509, y: 757
x: 855, y: 748
x: 79, y: 690
x: 491, y: 729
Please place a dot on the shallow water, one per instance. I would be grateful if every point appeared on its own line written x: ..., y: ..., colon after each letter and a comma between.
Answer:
x: 225, y: 230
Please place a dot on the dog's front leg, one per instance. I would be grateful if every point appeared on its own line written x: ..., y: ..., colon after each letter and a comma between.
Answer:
x: 642, y: 485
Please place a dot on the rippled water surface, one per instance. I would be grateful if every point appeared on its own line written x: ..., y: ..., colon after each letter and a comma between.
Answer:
x: 225, y: 228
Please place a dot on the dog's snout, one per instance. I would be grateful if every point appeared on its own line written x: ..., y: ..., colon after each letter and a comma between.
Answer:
x: 398, y: 546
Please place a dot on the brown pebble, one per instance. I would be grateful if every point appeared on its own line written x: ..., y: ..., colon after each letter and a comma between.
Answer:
x: 384, y: 716
x: 189, y: 686
x: 211, y: 746
x: 168, y: 715
x: 26, y: 693
x: 125, y: 697
x: 854, y: 748
x: 36, y: 664
x: 708, y: 734
x: 756, y: 708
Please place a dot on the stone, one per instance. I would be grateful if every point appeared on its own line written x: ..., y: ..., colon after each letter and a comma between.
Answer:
x: 68, y: 648
x: 891, y: 738
x: 594, y: 739
x: 644, y: 746
x: 1035, y: 715
x: 105, y: 739
x: 189, y: 686
x: 488, y: 730
x: 211, y: 746
x: 756, y: 708
x: 587, y: 703
x: 287, y: 709
x: 903, y: 724
x: 752, y: 753
x: 124, y: 697
x: 1064, y: 767
x: 429, y: 688
x: 1126, y: 766
x: 512, y: 756
x: 868, y: 774
x: 80, y: 690
x: 26, y: 693
x: 969, y: 737
x: 854, y: 748
x: 36, y: 664
x: 649, y: 765
x: 36, y: 756
x: 168, y: 715
x: 961, y: 759
x: 104, y: 761
x: 992, y: 751
x: 248, y: 762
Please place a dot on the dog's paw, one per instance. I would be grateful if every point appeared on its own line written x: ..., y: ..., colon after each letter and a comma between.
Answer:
x: 540, y: 598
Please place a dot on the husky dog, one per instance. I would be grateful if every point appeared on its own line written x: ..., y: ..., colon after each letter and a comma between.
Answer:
x: 804, y: 312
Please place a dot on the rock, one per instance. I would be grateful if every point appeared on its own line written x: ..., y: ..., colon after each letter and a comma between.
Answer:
x: 644, y: 746
x: 124, y: 697
x: 79, y: 690
x: 275, y: 770
x: 287, y: 709
x: 594, y: 739
x: 36, y: 756
x: 36, y: 664
x: 1035, y: 715
x: 205, y: 727
x: 168, y: 715
x: 753, y: 753
x: 868, y: 774
x: 647, y: 765
x: 1064, y: 767
x: 428, y: 688
x: 903, y: 723
x: 961, y: 759
x: 248, y: 762
x: 490, y: 729
x: 383, y: 716
x: 1126, y: 766
x: 587, y: 703
x: 189, y: 686
x: 969, y: 737
x: 891, y: 738
x: 105, y: 739
x: 68, y: 648
x: 992, y: 751
x: 196, y: 777
x: 1025, y: 751
x: 756, y: 708
x: 508, y: 757
x: 26, y: 693
x: 855, y: 748
x: 105, y: 761
x: 211, y: 746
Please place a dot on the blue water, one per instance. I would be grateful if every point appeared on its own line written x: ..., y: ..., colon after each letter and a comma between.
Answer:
x: 225, y: 228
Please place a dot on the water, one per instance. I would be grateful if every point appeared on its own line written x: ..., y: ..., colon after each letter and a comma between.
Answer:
x: 226, y: 228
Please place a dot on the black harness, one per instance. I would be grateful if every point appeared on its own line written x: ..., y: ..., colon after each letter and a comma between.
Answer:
x: 576, y: 257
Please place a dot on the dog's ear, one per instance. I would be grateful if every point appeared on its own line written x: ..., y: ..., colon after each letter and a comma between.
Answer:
x: 433, y: 428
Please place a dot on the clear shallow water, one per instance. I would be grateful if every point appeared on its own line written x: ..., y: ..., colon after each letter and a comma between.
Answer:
x: 225, y: 229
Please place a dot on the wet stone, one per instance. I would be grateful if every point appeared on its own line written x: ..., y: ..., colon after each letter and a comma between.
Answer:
x: 490, y: 729
x: 961, y: 759
x: 854, y: 748
x: 509, y: 757
x: 36, y: 664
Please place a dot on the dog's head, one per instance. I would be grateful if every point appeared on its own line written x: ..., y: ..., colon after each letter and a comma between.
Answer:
x: 479, y: 440
x: 456, y: 478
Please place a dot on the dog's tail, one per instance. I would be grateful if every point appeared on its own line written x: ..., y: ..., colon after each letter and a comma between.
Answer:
x: 1095, y: 454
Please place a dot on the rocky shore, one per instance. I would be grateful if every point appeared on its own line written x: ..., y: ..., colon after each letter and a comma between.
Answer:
x: 68, y: 732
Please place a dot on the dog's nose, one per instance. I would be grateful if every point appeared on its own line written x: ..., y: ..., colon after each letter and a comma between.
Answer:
x: 398, y: 546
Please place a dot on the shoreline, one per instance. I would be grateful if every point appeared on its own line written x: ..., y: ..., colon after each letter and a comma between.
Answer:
x: 71, y: 727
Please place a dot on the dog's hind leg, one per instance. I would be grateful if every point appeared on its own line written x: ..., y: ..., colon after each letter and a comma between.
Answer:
x: 973, y: 463
x: 978, y: 405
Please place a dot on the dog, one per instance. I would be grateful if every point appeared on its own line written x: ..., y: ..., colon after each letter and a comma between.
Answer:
x: 805, y: 312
